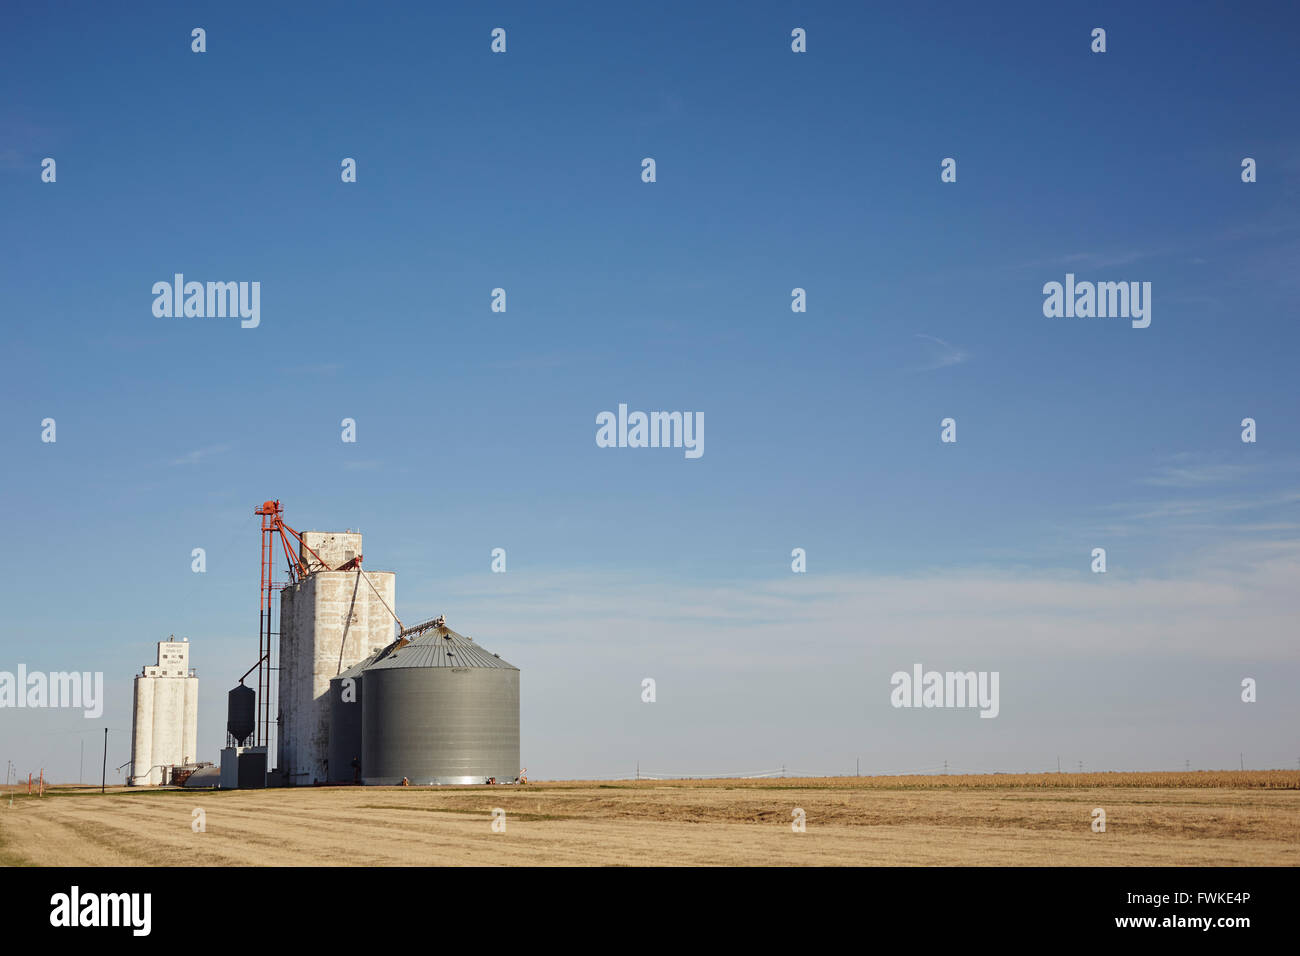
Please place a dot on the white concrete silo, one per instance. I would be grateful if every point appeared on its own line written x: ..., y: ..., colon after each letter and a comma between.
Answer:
x: 164, y: 722
x: 329, y: 621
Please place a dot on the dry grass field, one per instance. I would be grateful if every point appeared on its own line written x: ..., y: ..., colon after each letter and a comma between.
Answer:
x: 1228, y: 818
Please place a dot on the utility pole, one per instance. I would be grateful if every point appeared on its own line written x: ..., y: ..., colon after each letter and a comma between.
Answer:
x: 1058, y: 763
x: 1243, y: 760
x: 858, y: 768
x: 104, y: 776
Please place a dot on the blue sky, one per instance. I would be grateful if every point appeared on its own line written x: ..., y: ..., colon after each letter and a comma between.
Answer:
x: 476, y: 429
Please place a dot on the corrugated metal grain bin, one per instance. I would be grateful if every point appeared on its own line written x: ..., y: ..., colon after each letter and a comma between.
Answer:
x: 440, y: 710
x: 345, y: 722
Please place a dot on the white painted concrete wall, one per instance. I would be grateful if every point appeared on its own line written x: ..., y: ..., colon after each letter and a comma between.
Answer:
x: 164, y: 720
x: 334, y: 547
x: 142, y: 731
x: 329, y: 620
x: 190, y: 726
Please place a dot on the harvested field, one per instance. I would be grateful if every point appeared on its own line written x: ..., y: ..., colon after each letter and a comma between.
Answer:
x: 1228, y: 818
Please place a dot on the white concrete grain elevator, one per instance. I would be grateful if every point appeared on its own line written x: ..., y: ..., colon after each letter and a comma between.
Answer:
x: 329, y: 621
x: 165, y: 716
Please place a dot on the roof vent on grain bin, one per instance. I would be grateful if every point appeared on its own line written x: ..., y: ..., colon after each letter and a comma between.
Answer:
x: 444, y: 711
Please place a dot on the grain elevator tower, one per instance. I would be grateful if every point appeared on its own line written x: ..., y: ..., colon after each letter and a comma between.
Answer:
x: 329, y: 621
x: 165, y: 718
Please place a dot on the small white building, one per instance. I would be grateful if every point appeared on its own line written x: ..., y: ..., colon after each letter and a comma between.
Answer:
x: 165, y: 720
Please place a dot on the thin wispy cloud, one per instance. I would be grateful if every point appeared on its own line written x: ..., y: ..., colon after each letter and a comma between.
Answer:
x: 1207, y: 506
x: 1192, y: 244
x: 1195, y: 476
x: 1087, y: 260
x: 942, y: 354
x: 321, y: 368
x: 541, y: 360
x: 199, y: 454
x: 1097, y: 260
x: 1201, y: 598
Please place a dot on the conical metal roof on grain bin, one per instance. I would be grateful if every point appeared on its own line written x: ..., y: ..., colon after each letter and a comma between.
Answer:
x: 438, y: 647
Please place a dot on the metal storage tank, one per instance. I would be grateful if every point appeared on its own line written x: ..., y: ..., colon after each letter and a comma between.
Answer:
x: 345, y: 723
x: 241, y: 714
x: 439, y: 710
